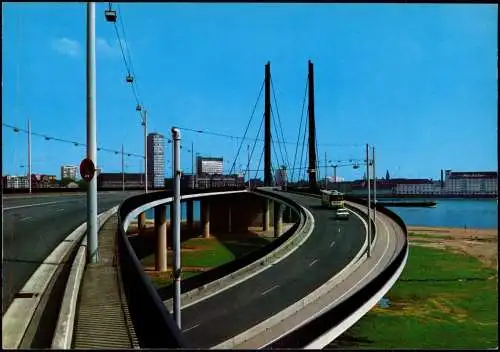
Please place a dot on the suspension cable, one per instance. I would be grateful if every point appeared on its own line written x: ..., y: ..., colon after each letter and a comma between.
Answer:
x: 248, y: 125
x: 300, y: 129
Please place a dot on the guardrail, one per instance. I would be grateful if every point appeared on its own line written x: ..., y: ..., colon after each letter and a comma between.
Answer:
x: 149, y: 314
x: 224, y: 270
x: 310, y: 335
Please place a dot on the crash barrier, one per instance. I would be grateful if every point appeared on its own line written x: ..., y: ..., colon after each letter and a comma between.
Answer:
x: 305, y: 335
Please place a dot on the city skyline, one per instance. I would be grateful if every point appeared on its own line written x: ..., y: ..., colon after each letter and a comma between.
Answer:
x: 414, y: 93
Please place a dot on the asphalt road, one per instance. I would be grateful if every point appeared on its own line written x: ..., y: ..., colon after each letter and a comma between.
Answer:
x: 331, y: 246
x: 34, y: 225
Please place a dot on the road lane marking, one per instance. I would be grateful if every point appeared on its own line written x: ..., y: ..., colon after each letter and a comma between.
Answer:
x: 269, y: 290
x: 192, y: 327
x: 31, y: 205
x: 332, y: 244
x: 26, y: 218
x: 313, y: 262
x: 60, y: 209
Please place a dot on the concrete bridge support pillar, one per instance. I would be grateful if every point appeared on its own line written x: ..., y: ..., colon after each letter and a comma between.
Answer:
x: 141, y: 222
x: 265, y: 217
x: 189, y: 214
x: 205, y: 218
x: 161, y: 237
x: 278, y: 219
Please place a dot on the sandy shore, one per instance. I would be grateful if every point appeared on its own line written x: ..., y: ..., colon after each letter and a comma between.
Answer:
x: 480, y: 243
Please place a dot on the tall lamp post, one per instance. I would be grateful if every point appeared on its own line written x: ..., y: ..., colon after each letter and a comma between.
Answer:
x: 92, y: 244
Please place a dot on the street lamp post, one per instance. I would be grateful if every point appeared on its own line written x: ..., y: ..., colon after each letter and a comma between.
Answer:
x: 29, y: 155
x: 145, y: 124
x: 374, y: 185
x: 176, y: 171
x: 369, y: 205
x: 92, y: 244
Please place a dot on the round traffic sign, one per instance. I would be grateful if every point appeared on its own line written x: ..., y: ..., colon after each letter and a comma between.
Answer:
x: 87, y: 169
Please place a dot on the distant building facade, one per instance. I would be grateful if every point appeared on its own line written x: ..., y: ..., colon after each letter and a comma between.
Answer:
x: 209, y: 166
x: 114, y: 180
x: 15, y: 182
x: 156, y: 160
x: 69, y: 171
x: 208, y: 181
x: 471, y: 182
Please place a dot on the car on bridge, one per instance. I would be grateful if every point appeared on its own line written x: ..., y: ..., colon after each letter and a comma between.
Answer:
x: 342, y: 213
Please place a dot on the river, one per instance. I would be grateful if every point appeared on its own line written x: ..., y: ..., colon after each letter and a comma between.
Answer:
x: 473, y: 213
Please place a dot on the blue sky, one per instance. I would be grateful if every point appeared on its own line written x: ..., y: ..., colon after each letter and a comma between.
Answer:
x: 417, y: 81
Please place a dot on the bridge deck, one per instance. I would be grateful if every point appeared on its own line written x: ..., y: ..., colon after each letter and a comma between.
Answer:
x: 102, y: 318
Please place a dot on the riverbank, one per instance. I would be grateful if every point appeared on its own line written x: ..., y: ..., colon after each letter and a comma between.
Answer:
x: 479, y: 243
x: 446, y: 297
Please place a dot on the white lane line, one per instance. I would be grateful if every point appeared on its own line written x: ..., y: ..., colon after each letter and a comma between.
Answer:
x: 332, y: 244
x: 60, y: 209
x: 313, y: 262
x: 26, y: 218
x: 192, y: 327
x: 269, y: 290
x: 30, y: 205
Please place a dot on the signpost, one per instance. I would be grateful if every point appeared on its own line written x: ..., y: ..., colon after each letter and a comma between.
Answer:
x: 87, y: 169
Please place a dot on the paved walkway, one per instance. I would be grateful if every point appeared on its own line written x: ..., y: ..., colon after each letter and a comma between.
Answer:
x: 102, y: 318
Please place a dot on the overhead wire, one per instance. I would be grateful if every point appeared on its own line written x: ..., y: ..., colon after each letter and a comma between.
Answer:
x: 77, y: 144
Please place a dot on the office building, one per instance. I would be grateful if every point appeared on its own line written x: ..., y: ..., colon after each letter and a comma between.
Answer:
x: 69, y: 171
x: 115, y: 180
x: 470, y: 183
x: 15, y: 182
x: 209, y: 166
x: 156, y: 160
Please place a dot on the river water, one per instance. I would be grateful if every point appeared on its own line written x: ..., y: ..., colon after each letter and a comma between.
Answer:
x: 473, y: 213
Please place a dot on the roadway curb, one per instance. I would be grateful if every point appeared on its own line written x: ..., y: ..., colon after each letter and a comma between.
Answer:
x: 255, y: 268
x: 63, y: 335
x: 19, y: 314
x: 295, y: 307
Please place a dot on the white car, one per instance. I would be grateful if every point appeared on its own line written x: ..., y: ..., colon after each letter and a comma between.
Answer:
x: 342, y: 213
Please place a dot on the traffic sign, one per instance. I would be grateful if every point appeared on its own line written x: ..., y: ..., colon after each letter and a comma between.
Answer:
x: 87, y: 169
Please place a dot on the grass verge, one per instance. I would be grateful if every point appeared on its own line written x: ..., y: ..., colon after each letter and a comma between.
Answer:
x: 442, y: 300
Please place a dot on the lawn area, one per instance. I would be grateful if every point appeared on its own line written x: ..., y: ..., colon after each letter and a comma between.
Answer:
x: 442, y: 300
x: 201, y: 254
x: 423, y: 235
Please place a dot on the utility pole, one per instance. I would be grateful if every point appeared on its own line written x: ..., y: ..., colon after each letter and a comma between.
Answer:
x: 267, y: 126
x: 374, y: 185
x: 176, y: 224
x: 312, y: 130
x: 335, y: 173
x: 123, y: 170
x: 369, y: 213
x: 248, y: 166
x: 145, y: 124
x: 326, y: 172
x: 92, y: 244
x: 29, y: 154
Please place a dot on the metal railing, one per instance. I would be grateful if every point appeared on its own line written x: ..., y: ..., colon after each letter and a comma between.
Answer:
x: 336, y: 315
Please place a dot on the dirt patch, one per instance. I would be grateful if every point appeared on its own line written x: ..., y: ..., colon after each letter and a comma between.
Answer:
x: 479, y: 243
x: 151, y: 271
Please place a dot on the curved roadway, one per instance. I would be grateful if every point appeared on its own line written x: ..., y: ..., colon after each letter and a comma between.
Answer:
x: 34, y: 225
x: 331, y: 246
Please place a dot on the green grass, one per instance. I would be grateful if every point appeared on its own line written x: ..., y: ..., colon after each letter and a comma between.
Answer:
x: 423, y: 235
x: 440, y: 313
x: 212, y: 254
